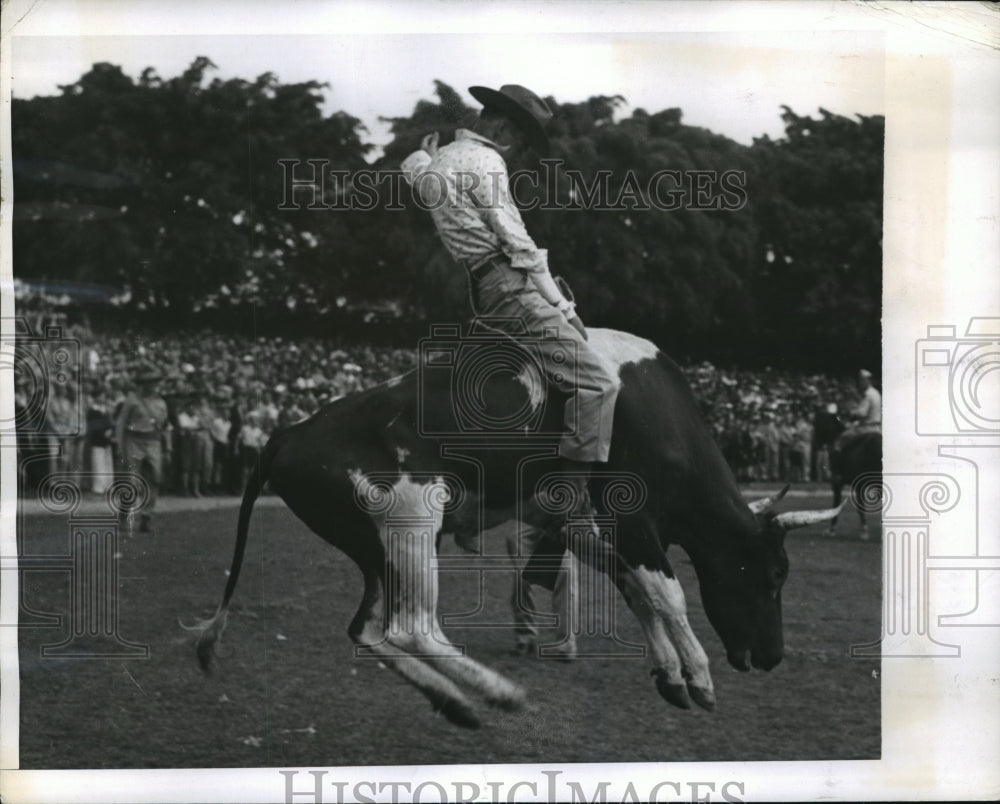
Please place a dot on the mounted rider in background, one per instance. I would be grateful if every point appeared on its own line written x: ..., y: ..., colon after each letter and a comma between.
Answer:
x: 867, y: 414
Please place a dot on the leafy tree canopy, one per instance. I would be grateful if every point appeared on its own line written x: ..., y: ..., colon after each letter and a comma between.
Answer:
x: 196, y: 197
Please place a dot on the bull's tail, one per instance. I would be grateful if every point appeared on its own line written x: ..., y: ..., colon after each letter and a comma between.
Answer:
x: 211, y: 630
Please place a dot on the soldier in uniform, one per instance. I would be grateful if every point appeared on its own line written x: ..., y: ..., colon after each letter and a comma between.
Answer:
x: 142, y: 432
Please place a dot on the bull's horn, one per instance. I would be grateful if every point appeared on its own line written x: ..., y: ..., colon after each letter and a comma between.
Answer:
x: 799, y: 519
x: 763, y: 504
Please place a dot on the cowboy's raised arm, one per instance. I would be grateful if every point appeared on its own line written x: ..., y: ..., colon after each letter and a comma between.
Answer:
x: 417, y: 162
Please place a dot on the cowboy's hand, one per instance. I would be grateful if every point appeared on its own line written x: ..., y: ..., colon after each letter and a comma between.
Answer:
x: 578, y: 325
x: 430, y: 143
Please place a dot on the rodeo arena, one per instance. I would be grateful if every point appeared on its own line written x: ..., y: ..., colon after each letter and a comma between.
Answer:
x: 589, y: 507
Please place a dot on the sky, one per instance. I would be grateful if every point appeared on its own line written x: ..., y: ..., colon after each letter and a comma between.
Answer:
x: 730, y: 83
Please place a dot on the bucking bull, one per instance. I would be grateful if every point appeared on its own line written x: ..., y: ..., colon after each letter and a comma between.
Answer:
x: 399, y: 452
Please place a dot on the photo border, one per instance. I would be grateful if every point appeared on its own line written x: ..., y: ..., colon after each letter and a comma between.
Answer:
x: 941, y: 264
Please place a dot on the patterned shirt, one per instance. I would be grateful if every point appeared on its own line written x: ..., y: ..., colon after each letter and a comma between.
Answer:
x: 465, y: 189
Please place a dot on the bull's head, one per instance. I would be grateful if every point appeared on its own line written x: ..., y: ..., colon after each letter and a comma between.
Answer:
x: 743, y: 598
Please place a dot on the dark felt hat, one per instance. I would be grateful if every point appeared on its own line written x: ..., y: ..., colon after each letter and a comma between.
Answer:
x: 528, y: 111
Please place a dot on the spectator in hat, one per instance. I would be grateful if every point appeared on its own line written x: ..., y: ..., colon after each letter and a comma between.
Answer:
x: 142, y: 431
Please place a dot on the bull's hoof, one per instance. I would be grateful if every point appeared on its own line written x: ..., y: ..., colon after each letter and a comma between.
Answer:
x: 705, y: 698
x: 459, y: 713
x: 674, y: 694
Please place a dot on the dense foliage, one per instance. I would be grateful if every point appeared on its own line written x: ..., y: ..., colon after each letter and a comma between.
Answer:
x: 172, y: 191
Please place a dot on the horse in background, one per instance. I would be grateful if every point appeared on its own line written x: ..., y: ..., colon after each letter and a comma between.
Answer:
x: 854, y: 454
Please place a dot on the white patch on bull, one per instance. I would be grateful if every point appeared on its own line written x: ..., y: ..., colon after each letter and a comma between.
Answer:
x: 408, y: 515
x: 532, y: 381
x: 667, y: 599
x: 620, y: 348
x: 402, y: 453
x: 662, y: 651
x: 664, y: 593
x: 402, y: 498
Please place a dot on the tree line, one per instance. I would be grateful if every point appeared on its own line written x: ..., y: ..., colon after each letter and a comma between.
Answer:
x: 175, y: 191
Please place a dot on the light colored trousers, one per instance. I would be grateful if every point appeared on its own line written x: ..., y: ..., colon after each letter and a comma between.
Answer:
x: 102, y: 467
x: 519, y: 310
x: 144, y: 457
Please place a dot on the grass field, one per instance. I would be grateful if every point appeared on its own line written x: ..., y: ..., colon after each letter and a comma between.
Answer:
x: 287, y: 690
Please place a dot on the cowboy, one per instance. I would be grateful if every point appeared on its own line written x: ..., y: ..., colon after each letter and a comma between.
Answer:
x: 464, y: 185
x: 867, y: 414
x: 142, y: 432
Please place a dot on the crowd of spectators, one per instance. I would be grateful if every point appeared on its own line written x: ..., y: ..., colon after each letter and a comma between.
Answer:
x: 770, y: 424
x: 227, y: 393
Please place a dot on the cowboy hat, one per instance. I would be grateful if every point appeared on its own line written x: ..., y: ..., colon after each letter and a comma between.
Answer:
x: 522, y: 106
